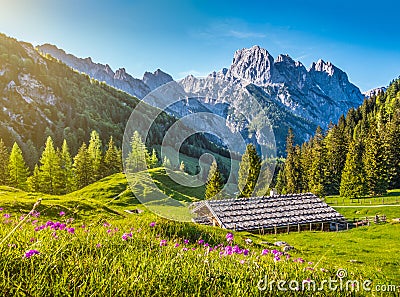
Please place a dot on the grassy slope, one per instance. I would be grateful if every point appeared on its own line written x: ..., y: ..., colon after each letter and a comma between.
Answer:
x: 375, y: 246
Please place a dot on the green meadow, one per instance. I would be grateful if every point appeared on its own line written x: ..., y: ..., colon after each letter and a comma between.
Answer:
x: 103, y: 250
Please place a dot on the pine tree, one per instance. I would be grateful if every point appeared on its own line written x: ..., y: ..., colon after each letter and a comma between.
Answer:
x: 292, y: 169
x: 182, y: 166
x: 317, y: 177
x: 353, y: 177
x: 50, y: 170
x: 138, y: 156
x: 249, y: 171
x: 94, y: 150
x: 112, y: 159
x: 281, y: 182
x: 34, y: 180
x: 336, y: 150
x: 153, y: 159
x: 214, y: 183
x: 393, y: 151
x: 67, y: 174
x: 17, y: 168
x: 166, y: 163
x: 375, y: 164
x: 83, y: 169
x: 4, y: 158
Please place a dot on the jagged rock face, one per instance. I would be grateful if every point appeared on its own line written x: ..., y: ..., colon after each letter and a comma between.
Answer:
x: 255, y: 65
x: 120, y: 79
x: 156, y: 79
x: 294, y: 96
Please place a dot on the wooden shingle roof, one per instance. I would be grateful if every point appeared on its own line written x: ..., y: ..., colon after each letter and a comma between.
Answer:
x: 266, y: 212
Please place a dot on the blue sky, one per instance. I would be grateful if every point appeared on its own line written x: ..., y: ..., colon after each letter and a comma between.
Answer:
x: 181, y: 37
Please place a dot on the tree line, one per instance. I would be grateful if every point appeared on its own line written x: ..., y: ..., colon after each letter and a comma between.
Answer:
x: 358, y: 156
x: 57, y: 172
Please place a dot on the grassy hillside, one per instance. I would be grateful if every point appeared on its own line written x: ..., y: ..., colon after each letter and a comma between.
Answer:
x: 112, y: 252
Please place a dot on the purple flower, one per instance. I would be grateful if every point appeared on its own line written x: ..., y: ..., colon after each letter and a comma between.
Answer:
x: 228, y: 250
x: 6, y: 215
x: 184, y: 249
x: 98, y: 245
x: 30, y: 253
x: 186, y: 241
x: 125, y: 236
x: 229, y: 237
x: 206, y: 245
x: 236, y: 249
x: 1, y: 209
x: 34, y: 213
x: 193, y: 249
x: 201, y: 241
x: 264, y: 252
x: 106, y: 224
x: 242, y: 261
x: 62, y: 213
x: 245, y: 252
x: 71, y: 230
x: 109, y: 230
x: 277, y: 258
x: 163, y: 242
x: 152, y: 224
x: 176, y: 245
x: 32, y: 239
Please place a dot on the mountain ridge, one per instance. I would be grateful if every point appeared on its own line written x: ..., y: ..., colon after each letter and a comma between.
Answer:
x: 306, y: 98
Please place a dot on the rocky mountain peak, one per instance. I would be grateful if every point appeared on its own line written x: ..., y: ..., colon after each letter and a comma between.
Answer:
x: 108, y: 70
x: 254, y: 64
x: 156, y: 79
x: 120, y: 74
x: 322, y: 66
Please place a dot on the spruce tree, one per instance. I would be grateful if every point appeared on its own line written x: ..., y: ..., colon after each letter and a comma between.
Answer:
x: 393, y: 151
x: 17, y: 168
x: 34, y: 180
x: 317, y: 176
x: 182, y: 166
x: 95, y: 153
x: 214, y: 183
x: 292, y: 169
x: 67, y: 175
x: 112, y: 159
x: 249, y: 171
x: 138, y: 156
x: 153, y: 159
x: 83, y: 169
x: 50, y: 169
x: 166, y: 163
x: 4, y: 158
x: 353, y: 176
x: 336, y: 150
x: 375, y: 164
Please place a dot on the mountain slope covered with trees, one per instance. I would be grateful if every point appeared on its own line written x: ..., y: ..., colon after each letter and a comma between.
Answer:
x: 358, y: 156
